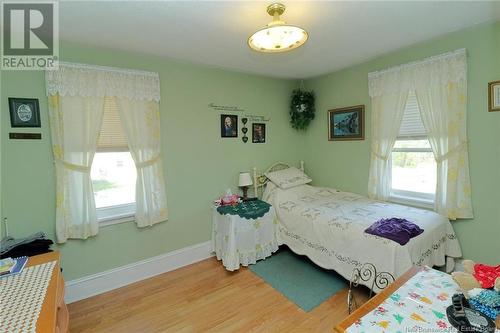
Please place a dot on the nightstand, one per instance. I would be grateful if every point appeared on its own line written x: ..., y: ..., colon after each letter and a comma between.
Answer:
x: 244, y: 233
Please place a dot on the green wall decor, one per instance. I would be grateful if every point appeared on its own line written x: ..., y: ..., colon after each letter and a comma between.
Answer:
x: 244, y: 129
x: 302, y: 109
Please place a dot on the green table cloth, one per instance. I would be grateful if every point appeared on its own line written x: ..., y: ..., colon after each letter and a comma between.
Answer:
x: 248, y: 209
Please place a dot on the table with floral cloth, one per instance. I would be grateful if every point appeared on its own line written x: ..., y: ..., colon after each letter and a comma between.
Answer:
x: 419, y: 305
x: 244, y: 233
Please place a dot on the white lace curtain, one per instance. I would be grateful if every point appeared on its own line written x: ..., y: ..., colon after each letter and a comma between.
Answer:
x: 440, y: 84
x: 76, y: 104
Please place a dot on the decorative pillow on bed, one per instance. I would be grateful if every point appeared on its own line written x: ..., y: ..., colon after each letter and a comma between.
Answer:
x: 288, y: 178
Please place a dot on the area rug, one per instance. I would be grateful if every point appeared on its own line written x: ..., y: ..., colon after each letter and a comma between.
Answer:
x: 299, y: 279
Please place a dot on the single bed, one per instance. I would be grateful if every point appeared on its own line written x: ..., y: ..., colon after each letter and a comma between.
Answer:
x: 327, y: 225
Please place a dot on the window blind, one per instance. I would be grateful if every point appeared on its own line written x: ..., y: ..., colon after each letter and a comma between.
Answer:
x: 412, y: 125
x: 112, y: 136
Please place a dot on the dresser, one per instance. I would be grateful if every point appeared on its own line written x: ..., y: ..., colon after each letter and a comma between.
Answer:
x: 54, y: 316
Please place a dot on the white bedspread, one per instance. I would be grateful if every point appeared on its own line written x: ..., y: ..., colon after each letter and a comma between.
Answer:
x: 328, y: 226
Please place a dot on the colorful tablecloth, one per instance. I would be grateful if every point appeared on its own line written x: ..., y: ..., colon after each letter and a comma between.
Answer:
x: 417, y: 306
x: 248, y: 209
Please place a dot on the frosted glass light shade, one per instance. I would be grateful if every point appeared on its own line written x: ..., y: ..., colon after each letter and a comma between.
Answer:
x: 278, y: 38
x: 245, y: 179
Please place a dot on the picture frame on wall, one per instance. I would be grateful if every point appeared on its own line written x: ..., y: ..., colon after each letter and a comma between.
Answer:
x: 346, y: 123
x: 24, y: 112
x: 494, y: 96
x: 228, y: 126
x: 258, y: 133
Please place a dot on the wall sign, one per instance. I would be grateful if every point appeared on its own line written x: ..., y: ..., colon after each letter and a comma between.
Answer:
x: 225, y: 108
x: 25, y: 136
x: 257, y: 118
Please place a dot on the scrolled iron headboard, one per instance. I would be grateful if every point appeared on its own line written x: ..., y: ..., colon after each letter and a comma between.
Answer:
x: 260, y: 180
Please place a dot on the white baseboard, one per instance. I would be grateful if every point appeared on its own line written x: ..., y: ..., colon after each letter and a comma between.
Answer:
x: 99, y: 283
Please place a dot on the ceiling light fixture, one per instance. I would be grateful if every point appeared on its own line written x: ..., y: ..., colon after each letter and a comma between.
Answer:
x: 277, y: 36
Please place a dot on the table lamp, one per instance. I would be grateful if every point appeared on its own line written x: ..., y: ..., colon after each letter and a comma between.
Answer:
x: 244, y: 181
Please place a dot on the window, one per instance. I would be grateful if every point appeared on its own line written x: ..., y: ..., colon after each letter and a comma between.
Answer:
x: 414, y: 169
x: 113, y: 170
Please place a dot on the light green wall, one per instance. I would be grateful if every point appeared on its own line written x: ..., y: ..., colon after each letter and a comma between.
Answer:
x: 344, y: 165
x: 199, y: 165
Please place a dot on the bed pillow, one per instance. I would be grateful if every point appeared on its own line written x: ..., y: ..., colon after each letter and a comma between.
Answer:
x: 288, y: 178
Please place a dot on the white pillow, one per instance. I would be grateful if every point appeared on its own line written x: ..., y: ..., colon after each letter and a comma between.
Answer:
x: 288, y: 178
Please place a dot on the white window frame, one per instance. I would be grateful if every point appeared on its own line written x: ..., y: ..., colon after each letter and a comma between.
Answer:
x: 411, y: 198
x: 118, y: 213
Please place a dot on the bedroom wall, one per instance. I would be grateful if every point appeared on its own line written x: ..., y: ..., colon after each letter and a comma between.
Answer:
x: 199, y: 165
x: 344, y: 165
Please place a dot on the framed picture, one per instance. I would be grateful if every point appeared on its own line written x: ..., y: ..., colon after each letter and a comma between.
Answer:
x: 228, y: 126
x: 494, y: 96
x: 258, y: 133
x: 24, y: 112
x: 346, y: 123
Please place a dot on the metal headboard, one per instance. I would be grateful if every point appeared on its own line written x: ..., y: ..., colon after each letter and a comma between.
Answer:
x: 260, y: 180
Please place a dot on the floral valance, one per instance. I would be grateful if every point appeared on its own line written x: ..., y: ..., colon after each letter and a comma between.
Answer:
x: 99, y: 81
x: 434, y: 71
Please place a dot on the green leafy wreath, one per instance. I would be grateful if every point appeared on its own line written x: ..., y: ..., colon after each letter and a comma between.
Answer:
x: 301, y: 109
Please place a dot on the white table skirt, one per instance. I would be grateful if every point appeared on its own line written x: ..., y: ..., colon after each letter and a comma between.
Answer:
x: 239, y: 241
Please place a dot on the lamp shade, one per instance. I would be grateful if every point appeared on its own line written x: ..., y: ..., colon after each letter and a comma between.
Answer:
x: 245, y: 179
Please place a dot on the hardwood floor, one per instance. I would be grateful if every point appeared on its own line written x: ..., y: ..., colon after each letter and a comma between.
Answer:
x: 204, y: 297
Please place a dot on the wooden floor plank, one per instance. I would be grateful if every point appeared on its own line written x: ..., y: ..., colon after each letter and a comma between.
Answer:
x: 204, y: 297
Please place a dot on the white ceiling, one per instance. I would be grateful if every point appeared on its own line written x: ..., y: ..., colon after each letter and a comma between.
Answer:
x: 215, y: 33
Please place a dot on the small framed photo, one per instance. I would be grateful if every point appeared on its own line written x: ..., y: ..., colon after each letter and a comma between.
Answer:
x: 228, y: 126
x: 258, y: 133
x: 24, y: 112
x: 346, y: 123
x: 494, y: 96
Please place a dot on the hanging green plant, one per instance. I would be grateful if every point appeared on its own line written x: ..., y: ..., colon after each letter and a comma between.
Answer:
x: 301, y: 109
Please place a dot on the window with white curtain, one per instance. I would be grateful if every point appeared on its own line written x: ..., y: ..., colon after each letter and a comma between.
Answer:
x: 113, y: 170
x: 413, y: 166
